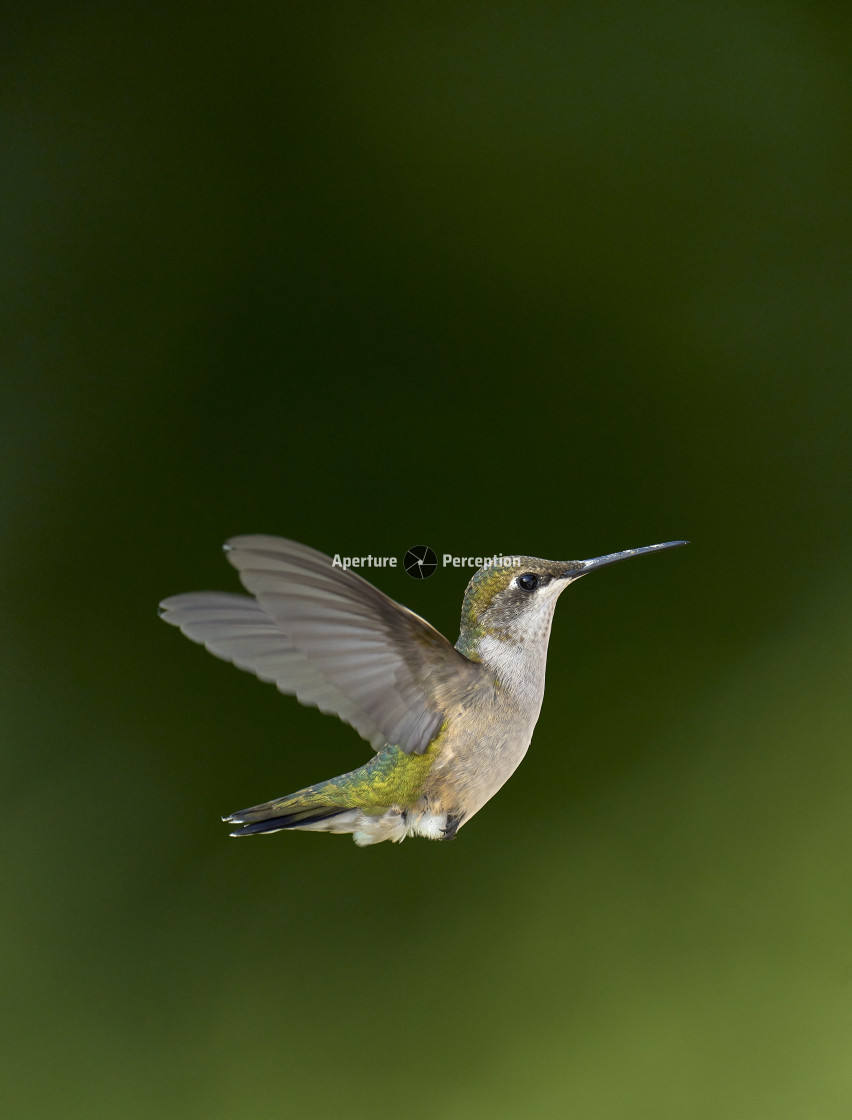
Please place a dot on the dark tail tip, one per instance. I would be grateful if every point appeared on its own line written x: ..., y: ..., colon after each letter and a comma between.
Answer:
x: 288, y: 820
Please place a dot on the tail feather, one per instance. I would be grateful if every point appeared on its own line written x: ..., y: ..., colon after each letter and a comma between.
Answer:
x: 368, y: 802
x: 298, y: 819
x: 298, y: 810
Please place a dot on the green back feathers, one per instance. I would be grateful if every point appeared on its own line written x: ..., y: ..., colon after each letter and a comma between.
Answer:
x: 393, y: 777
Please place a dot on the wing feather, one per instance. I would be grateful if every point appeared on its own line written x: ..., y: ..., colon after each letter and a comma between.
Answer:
x: 237, y: 629
x: 397, y: 668
x: 327, y: 636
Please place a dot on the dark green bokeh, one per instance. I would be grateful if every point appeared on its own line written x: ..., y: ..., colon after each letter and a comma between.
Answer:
x: 550, y: 278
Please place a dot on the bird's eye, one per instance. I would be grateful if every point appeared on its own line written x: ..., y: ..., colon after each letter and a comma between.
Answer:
x: 528, y: 581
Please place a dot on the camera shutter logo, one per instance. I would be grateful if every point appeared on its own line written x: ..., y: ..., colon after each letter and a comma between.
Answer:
x: 420, y: 561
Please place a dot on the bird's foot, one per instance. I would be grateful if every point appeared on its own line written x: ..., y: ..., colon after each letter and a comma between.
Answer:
x: 451, y: 827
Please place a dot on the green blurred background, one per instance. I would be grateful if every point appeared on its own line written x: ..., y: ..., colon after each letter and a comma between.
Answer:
x: 549, y: 278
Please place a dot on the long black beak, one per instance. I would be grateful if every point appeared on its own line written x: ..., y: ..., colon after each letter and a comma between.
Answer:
x: 585, y: 566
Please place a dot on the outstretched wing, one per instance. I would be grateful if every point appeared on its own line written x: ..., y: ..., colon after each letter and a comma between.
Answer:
x: 333, y: 640
x: 236, y: 628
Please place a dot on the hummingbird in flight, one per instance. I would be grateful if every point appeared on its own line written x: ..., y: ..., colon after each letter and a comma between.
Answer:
x: 449, y: 724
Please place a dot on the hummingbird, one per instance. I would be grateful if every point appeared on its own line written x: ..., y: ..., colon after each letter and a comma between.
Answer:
x: 449, y: 724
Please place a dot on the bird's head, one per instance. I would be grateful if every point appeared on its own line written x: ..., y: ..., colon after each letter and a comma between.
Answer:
x: 514, y: 602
